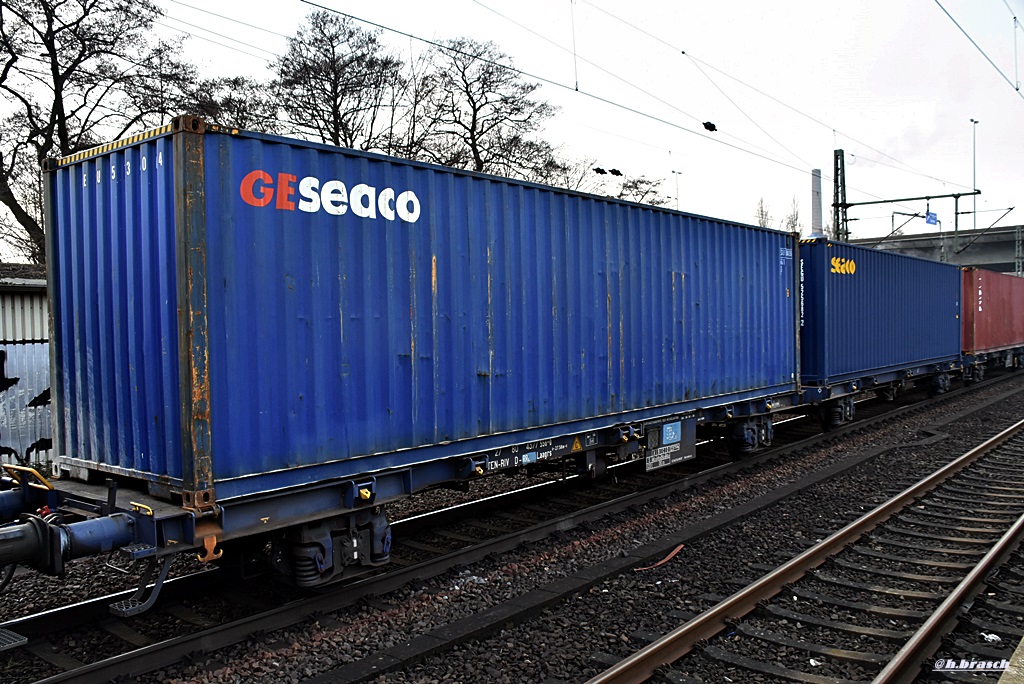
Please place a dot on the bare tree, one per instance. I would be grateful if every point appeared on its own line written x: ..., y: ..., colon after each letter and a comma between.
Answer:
x: 482, y: 115
x: 238, y: 102
x: 643, y: 190
x: 792, y: 220
x: 761, y: 215
x: 75, y: 73
x: 21, y: 189
x: 574, y: 174
x: 336, y: 83
x: 409, y: 126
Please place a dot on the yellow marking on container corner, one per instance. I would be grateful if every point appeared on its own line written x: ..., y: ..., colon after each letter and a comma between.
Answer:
x: 365, y: 494
x: 221, y: 129
x: 110, y: 147
x: 576, y: 446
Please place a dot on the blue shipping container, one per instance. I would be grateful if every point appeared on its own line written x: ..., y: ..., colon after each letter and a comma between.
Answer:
x: 866, y: 312
x: 247, y: 313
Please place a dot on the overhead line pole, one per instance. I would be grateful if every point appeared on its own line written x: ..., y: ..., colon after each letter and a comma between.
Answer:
x: 912, y: 199
x: 840, y: 223
x: 840, y: 206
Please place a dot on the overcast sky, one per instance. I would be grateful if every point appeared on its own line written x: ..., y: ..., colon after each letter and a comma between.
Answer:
x: 892, y: 82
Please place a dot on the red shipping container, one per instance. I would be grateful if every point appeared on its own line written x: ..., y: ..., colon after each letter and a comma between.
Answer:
x: 993, y: 311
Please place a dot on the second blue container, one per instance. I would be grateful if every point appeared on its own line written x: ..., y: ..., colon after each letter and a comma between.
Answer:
x: 866, y: 312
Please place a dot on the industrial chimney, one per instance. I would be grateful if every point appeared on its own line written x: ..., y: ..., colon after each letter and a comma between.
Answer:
x: 816, y: 203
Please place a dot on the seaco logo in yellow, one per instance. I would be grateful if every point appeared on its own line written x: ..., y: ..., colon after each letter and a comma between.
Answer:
x: 844, y: 266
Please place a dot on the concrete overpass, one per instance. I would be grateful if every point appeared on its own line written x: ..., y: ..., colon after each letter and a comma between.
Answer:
x: 995, y: 249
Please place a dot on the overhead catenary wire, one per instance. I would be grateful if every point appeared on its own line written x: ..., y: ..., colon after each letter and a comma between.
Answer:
x: 716, y: 86
x: 220, y: 35
x: 411, y: 39
x: 584, y: 93
x: 751, y: 119
x: 557, y: 84
x: 716, y: 139
x: 543, y: 79
x: 1016, y: 26
x: 210, y: 40
x: 625, y: 81
x: 959, y: 251
x: 697, y: 61
x: 575, y: 65
x: 1015, y: 87
x: 232, y: 19
x: 1012, y: 11
x: 632, y: 84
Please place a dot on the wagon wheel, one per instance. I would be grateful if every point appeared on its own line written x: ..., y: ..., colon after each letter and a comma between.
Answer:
x: 6, y: 574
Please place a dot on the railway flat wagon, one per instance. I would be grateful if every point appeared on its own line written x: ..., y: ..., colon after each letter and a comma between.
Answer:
x: 273, y: 338
x: 993, y: 327
x: 871, y: 319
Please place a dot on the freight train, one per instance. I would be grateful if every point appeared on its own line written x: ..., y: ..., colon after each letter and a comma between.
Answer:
x: 258, y: 343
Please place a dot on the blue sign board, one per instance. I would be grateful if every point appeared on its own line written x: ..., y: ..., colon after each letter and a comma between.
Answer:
x: 930, y: 218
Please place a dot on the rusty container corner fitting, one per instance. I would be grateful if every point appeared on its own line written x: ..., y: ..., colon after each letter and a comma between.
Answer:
x: 345, y: 312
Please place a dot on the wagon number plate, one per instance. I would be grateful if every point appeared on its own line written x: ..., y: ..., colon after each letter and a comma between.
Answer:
x: 669, y: 444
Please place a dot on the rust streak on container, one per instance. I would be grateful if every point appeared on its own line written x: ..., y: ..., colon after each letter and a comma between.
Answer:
x: 433, y: 274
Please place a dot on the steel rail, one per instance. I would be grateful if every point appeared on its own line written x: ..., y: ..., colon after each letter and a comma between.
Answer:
x: 905, y: 666
x: 640, y: 666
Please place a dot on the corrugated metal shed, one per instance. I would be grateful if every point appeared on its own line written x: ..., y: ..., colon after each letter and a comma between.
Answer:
x: 25, y: 415
x: 24, y: 310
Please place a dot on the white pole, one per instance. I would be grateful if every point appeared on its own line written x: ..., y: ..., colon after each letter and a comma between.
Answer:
x: 974, y: 164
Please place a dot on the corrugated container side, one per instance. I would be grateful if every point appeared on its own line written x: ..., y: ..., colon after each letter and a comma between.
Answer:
x: 504, y: 306
x: 992, y: 308
x: 113, y: 291
x: 867, y: 311
x: 345, y: 324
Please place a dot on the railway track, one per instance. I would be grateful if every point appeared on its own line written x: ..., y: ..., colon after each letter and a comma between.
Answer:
x: 874, y: 600
x: 520, y: 517
x: 990, y: 628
